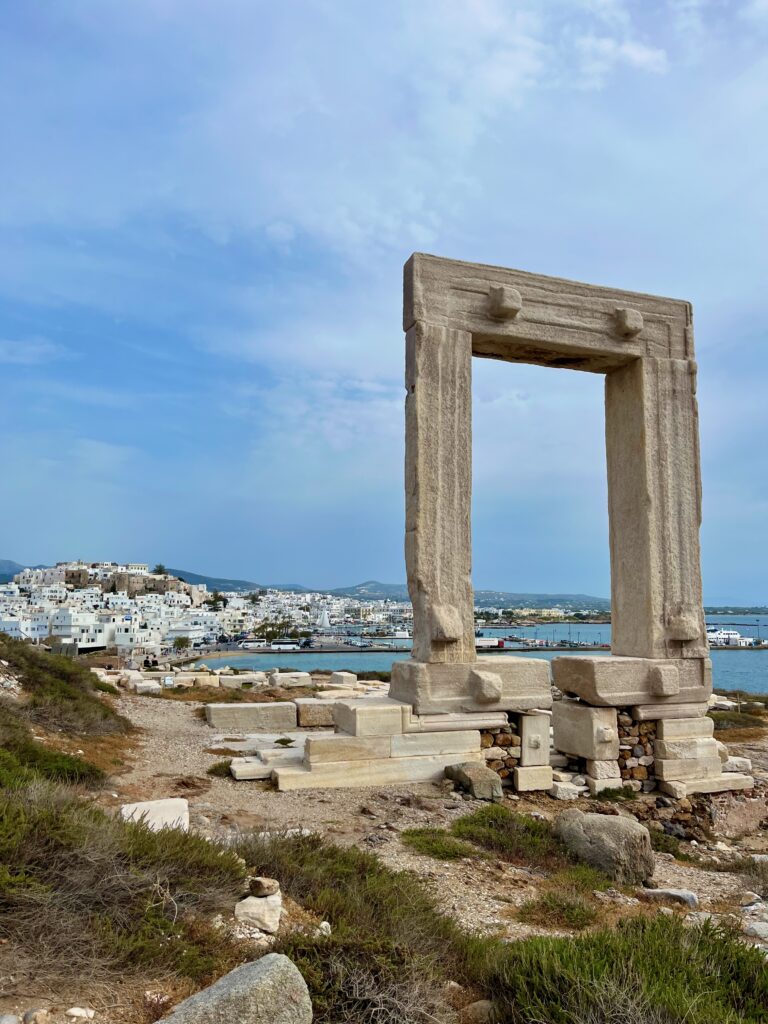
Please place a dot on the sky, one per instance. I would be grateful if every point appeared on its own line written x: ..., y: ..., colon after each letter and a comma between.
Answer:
x: 205, y: 206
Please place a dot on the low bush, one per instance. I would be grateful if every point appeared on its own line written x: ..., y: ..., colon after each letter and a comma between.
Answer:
x: 737, y: 720
x: 23, y: 758
x: 559, y: 910
x: 61, y: 694
x: 437, y: 843
x: 78, y: 887
x: 646, y: 971
x: 515, y: 837
x: 220, y: 769
x: 617, y: 795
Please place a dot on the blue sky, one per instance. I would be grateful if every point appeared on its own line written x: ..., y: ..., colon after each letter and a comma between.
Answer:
x: 205, y: 208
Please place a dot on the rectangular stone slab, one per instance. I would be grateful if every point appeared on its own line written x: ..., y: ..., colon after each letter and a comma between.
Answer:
x: 585, y: 731
x: 522, y: 683
x: 685, y: 728
x: 341, y: 747
x: 378, y: 772
x: 718, y: 784
x: 369, y: 717
x: 620, y: 682
x: 245, y: 717
x: 653, y: 712
x: 416, y: 744
x: 685, y: 749
x: 533, y: 777
x: 682, y: 770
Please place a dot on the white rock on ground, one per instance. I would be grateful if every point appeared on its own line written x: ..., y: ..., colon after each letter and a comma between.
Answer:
x: 172, y: 812
x: 684, y: 896
x: 268, y: 991
x: 261, y: 912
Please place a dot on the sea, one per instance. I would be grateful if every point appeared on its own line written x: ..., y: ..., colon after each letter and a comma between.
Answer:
x: 732, y: 669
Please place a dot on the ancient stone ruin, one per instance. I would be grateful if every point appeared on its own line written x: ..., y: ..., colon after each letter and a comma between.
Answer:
x: 635, y: 717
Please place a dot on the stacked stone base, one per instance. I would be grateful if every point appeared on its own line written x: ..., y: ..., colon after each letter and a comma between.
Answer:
x: 673, y: 751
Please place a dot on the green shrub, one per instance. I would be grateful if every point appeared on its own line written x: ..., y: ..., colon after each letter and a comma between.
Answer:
x: 24, y: 758
x: 737, y: 720
x: 617, y: 794
x: 437, y: 843
x: 61, y: 693
x: 558, y: 910
x: 79, y: 887
x: 516, y: 837
x: 220, y: 769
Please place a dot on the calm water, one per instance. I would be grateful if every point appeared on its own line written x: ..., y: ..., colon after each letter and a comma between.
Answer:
x: 731, y: 670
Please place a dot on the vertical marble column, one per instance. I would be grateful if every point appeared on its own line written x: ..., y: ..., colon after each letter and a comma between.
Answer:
x: 654, y: 504
x: 438, y: 489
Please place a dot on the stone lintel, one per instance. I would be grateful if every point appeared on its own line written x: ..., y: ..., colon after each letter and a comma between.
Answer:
x: 522, y: 684
x: 619, y: 682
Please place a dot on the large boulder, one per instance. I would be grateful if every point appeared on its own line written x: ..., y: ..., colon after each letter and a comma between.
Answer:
x: 266, y: 991
x: 480, y: 782
x: 619, y: 847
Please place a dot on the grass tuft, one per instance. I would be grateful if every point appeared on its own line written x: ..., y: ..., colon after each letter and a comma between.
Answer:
x: 558, y: 910
x: 515, y: 837
x: 437, y: 843
x: 220, y: 769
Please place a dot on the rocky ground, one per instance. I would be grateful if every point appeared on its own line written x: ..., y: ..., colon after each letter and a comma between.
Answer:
x: 172, y: 750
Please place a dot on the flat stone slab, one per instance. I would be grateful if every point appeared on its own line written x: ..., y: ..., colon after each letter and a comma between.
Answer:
x: 654, y: 712
x: 719, y: 784
x: 620, y: 681
x: 500, y: 683
x: 172, y: 812
x: 375, y: 772
x: 247, y: 717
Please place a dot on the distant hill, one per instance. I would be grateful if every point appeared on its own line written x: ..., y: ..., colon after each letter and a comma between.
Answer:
x: 372, y: 590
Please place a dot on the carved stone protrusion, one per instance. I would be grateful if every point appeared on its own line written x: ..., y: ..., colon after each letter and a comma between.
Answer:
x: 664, y: 680
x: 446, y: 623
x: 504, y: 302
x: 629, y: 321
x: 683, y: 623
x: 486, y: 687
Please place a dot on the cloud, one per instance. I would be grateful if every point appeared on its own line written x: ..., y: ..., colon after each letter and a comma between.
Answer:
x: 600, y: 55
x: 30, y: 351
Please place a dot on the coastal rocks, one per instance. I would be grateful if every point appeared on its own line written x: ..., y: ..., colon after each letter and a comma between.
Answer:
x: 618, y: 846
x: 267, y: 991
x: 479, y: 781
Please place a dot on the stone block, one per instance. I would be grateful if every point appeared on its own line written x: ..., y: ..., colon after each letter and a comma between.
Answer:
x: 694, y: 768
x: 230, y: 682
x: 685, y: 728
x: 148, y: 688
x: 172, y: 812
x: 290, y: 680
x: 480, y: 782
x: 565, y: 791
x: 270, y: 990
x: 533, y: 777
x: 325, y: 749
x: 346, y: 774
x: 262, y: 912
x: 458, y: 721
x: 252, y: 769
x: 434, y: 688
x: 276, y: 716
x: 603, y: 769
x: 741, y: 765
x: 653, y: 712
x: 619, y: 681
x: 596, y: 786
x: 717, y: 784
x: 585, y: 731
x: 534, y: 733
x: 312, y: 713
x: 686, y: 749
x: 415, y: 744
x: 343, y: 679
x: 369, y: 717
